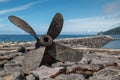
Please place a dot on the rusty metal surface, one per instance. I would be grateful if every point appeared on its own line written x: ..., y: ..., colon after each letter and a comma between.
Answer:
x: 32, y: 59
x: 55, y: 26
x: 47, y: 51
x: 46, y: 40
x: 23, y: 25
x: 64, y: 53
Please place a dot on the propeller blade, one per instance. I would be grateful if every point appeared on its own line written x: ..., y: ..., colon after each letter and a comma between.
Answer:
x: 64, y: 53
x: 33, y: 59
x: 55, y: 26
x: 23, y: 25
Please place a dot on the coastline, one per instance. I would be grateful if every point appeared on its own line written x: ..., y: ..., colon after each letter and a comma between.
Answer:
x: 89, y: 42
x: 97, y: 63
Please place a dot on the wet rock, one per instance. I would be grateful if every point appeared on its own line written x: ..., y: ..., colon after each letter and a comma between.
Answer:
x: 48, y: 72
x: 70, y: 77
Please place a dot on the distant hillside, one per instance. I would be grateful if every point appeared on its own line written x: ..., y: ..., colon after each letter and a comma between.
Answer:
x: 114, y: 31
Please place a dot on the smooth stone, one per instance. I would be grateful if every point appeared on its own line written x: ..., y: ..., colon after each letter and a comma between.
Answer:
x: 70, y: 77
x: 48, y: 72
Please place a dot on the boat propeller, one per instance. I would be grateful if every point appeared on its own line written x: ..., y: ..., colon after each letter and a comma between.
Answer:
x: 47, y: 51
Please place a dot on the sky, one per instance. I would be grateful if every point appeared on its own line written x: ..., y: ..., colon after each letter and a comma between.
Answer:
x: 80, y: 16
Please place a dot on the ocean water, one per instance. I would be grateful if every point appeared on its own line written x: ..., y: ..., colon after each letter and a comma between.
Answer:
x: 19, y: 38
x: 115, y: 44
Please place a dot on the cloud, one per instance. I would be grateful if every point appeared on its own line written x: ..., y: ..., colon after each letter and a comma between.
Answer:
x: 23, y: 7
x: 112, y: 7
x: 3, y: 25
x: 75, y: 26
x: 3, y: 1
x: 92, y: 24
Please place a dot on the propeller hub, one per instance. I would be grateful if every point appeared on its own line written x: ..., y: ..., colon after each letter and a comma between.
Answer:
x: 46, y: 40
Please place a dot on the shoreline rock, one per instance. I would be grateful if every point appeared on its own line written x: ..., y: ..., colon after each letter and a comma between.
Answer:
x: 88, y: 42
x: 93, y: 66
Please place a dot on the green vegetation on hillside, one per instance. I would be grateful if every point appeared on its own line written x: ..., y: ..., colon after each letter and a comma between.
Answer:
x: 113, y: 31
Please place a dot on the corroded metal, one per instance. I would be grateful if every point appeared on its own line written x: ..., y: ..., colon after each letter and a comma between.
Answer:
x: 64, y: 53
x: 46, y: 40
x: 23, y: 25
x: 47, y: 51
x: 32, y: 59
x: 55, y: 26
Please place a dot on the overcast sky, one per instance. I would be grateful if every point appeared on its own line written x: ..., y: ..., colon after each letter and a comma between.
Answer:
x: 80, y: 16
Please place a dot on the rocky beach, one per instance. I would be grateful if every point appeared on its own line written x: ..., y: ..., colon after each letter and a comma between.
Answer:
x: 96, y: 63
